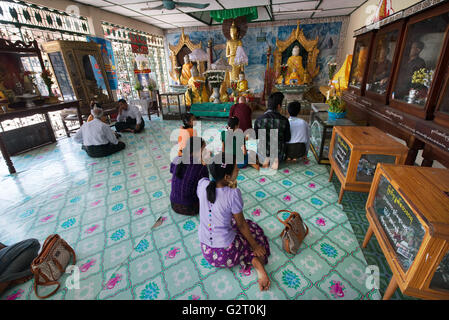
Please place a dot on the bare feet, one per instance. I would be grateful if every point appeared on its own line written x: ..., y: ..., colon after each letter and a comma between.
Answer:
x: 264, y: 280
x: 255, y: 166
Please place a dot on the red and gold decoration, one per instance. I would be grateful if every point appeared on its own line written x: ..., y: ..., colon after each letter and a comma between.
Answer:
x: 138, y: 43
x: 384, y: 9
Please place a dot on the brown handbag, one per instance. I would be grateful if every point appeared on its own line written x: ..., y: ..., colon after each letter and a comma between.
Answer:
x: 294, y: 232
x: 51, y: 263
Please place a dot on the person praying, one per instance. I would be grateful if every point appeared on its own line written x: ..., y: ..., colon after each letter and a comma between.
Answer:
x: 97, y: 138
x: 129, y: 118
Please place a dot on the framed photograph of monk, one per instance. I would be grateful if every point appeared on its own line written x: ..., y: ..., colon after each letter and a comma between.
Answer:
x: 360, y: 62
x: 384, y: 57
x: 421, y: 69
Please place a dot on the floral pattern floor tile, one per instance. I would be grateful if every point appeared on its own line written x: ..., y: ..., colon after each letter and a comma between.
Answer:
x: 105, y: 209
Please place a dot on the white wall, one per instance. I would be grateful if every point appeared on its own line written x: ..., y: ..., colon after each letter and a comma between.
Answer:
x: 363, y: 15
x: 95, y: 16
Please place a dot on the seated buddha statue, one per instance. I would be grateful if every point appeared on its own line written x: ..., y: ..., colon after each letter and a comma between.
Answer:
x: 294, y: 62
x: 197, y: 91
x: 242, y: 84
x: 186, y: 70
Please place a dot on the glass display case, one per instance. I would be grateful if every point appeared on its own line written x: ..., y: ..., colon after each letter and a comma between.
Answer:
x: 384, y: 57
x: 407, y: 211
x: 442, y: 111
x: 172, y: 105
x: 418, y: 78
x: 321, y: 134
x: 356, y: 150
x: 360, y: 62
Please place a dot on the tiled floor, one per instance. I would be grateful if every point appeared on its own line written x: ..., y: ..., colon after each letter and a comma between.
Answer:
x: 105, y: 209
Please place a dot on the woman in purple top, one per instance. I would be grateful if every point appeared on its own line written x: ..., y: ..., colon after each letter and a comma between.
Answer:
x: 186, y: 174
x: 227, y: 239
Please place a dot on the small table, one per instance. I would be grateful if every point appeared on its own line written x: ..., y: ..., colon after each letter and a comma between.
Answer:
x: 171, y: 115
x: 20, y: 113
x: 321, y: 133
x: 354, y: 154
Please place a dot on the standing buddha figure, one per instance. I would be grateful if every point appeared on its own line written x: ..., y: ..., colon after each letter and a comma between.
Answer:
x: 186, y: 70
x: 231, y: 50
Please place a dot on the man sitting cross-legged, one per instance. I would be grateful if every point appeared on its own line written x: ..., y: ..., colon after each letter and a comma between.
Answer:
x: 97, y: 137
x: 129, y: 118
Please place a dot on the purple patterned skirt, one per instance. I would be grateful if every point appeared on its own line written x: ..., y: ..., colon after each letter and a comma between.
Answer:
x: 239, y: 251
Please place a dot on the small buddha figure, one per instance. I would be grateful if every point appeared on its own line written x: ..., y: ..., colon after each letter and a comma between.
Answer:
x: 242, y: 84
x: 197, y: 92
x: 231, y: 50
x: 294, y: 62
x: 186, y: 70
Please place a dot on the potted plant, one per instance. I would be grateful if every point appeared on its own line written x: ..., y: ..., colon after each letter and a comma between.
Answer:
x: 336, y: 104
x: 138, y: 87
x: 421, y: 81
x: 336, y: 108
x: 46, y: 77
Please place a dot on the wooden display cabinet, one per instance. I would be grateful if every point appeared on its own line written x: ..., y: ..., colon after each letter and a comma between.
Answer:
x: 73, y: 63
x: 354, y: 153
x: 407, y: 209
x: 360, y: 62
x: 384, y: 58
x: 425, y: 47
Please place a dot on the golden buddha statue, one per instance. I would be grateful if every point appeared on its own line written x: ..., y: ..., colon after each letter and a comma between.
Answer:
x: 186, y: 70
x: 231, y: 50
x: 295, y: 69
x: 197, y: 92
x: 242, y: 84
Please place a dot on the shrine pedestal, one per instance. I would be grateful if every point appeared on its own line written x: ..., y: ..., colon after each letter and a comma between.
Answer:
x: 210, y: 109
x: 292, y: 93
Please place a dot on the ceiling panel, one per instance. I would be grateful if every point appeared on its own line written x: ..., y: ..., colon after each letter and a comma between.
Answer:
x: 263, y: 14
x: 172, y: 18
x: 293, y: 16
x: 287, y: 1
x: 190, y: 24
x: 147, y: 19
x: 153, y: 3
x: 213, y: 5
x: 332, y: 4
x: 332, y: 13
x: 121, y: 10
x: 295, y: 6
x: 230, y: 4
x: 137, y: 7
x: 95, y: 3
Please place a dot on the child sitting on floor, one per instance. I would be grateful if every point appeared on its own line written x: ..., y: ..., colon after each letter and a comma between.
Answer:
x: 186, y: 131
x: 227, y: 238
x: 233, y: 125
x: 298, y: 146
x: 187, y: 171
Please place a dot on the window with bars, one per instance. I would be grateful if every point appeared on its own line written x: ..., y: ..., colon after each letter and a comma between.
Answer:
x: 125, y: 59
x: 27, y: 22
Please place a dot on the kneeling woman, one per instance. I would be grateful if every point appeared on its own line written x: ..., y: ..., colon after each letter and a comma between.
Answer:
x: 186, y: 174
x: 227, y: 239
